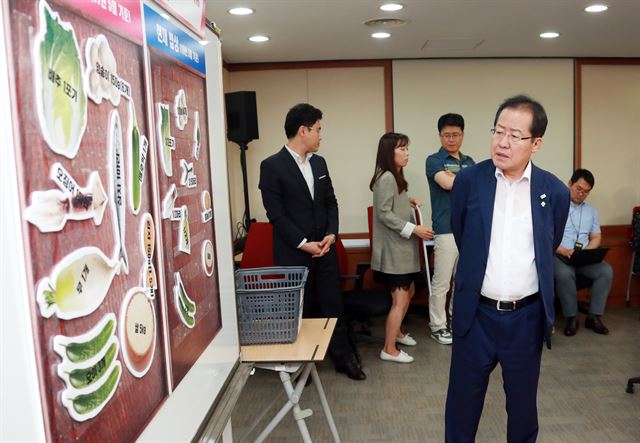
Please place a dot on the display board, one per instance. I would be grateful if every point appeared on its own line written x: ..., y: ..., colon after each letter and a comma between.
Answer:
x: 184, y: 179
x: 115, y: 197
x: 190, y: 13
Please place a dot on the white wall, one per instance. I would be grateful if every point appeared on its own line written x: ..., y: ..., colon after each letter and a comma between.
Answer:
x: 610, y: 144
x: 423, y: 90
x: 352, y: 101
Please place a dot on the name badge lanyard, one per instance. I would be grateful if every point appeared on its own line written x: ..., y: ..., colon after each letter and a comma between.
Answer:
x: 579, y: 224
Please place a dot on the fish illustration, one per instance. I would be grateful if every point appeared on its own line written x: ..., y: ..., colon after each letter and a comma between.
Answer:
x: 117, y: 189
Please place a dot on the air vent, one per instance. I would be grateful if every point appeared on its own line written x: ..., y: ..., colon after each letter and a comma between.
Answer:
x: 452, y: 44
x: 386, y: 22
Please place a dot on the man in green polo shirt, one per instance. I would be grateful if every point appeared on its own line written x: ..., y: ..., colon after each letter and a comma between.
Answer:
x: 442, y: 168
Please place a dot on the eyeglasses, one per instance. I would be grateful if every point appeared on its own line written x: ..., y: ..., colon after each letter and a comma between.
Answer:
x: 515, y: 139
x: 581, y: 190
x: 452, y: 136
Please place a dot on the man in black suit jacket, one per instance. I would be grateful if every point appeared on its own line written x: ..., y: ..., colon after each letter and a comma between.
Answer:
x: 301, y: 205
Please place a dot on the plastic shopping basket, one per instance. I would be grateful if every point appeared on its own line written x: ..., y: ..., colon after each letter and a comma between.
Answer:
x: 269, y: 302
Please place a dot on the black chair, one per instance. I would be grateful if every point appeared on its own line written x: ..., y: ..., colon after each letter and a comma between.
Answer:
x: 635, y: 245
x: 632, y: 381
x: 361, y: 304
x: 583, y: 282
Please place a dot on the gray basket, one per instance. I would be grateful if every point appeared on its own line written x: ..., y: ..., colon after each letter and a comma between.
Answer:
x: 269, y: 302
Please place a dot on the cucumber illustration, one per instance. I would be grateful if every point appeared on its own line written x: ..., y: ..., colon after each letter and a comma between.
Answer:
x: 79, y: 352
x: 93, y: 402
x: 81, y: 378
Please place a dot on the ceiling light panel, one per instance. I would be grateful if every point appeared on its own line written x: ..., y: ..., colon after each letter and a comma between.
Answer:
x: 380, y: 35
x: 596, y: 8
x: 259, y: 38
x: 549, y: 34
x: 391, y: 7
x: 241, y: 11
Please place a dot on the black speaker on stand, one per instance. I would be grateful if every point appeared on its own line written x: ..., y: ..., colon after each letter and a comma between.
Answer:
x: 242, y: 127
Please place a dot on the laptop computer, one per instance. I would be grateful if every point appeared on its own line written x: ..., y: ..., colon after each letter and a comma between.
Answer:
x: 584, y: 257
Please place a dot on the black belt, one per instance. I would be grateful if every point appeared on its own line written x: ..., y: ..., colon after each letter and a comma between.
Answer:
x: 503, y: 305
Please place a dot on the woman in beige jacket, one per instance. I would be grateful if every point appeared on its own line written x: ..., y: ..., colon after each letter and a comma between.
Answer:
x: 394, y: 254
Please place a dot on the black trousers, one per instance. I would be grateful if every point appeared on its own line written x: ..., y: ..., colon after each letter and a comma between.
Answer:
x: 323, y: 298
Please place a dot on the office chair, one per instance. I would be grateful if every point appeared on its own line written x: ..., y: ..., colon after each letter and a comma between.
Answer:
x: 635, y: 244
x: 583, y: 282
x: 360, y: 304
x: 258, y: 248
x: 634, y: 237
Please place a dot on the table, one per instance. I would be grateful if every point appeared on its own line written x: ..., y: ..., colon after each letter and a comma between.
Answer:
x: 295, y: 362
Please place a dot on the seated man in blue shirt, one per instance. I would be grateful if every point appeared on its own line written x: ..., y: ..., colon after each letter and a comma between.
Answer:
x: 581, y: 232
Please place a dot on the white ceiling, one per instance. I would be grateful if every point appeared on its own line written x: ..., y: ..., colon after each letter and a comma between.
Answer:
x: 304, y: 30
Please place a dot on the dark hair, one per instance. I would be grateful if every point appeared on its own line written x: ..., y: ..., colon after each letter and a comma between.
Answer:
x: 451, y: 120
x: 385, y: 160
x: 584, y: 174
x: 302, y: 114
x: 539, y: 121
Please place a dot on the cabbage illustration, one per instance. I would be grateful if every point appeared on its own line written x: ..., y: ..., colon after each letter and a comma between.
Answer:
x: 60, y: 95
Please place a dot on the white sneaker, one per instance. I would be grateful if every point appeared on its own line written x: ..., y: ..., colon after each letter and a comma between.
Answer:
x: 406, y: 340
x: 402, y: 357
x: 442, y: 336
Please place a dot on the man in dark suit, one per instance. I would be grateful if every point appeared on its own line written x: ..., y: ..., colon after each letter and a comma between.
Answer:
x: 507, y: 217
x: 298, y: 196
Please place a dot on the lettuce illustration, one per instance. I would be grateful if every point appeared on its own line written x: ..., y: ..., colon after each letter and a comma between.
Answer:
x: 60, y: 95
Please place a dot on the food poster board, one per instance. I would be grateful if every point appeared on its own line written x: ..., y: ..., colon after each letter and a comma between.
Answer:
x: 184, y: 182
x: 87, y: 205
x: 191, y: 13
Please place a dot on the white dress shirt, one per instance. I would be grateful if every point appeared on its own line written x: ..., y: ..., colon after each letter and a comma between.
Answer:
x: 511, y: 272
x: 305, y: 167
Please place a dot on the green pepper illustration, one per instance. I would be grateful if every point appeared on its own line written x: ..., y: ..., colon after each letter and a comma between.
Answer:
x: 189, y: 305
x: 186, y: 315
x: 135, y: 158
x: 85, y: 403
x: 81, y: 378
x: 79, y: 352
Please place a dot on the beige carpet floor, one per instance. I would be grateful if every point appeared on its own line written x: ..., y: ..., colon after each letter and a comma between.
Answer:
x: 581, y: 397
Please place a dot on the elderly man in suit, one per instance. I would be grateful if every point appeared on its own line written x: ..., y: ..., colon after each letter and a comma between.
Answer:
x: 508, y: 218
x: 300, y: 202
